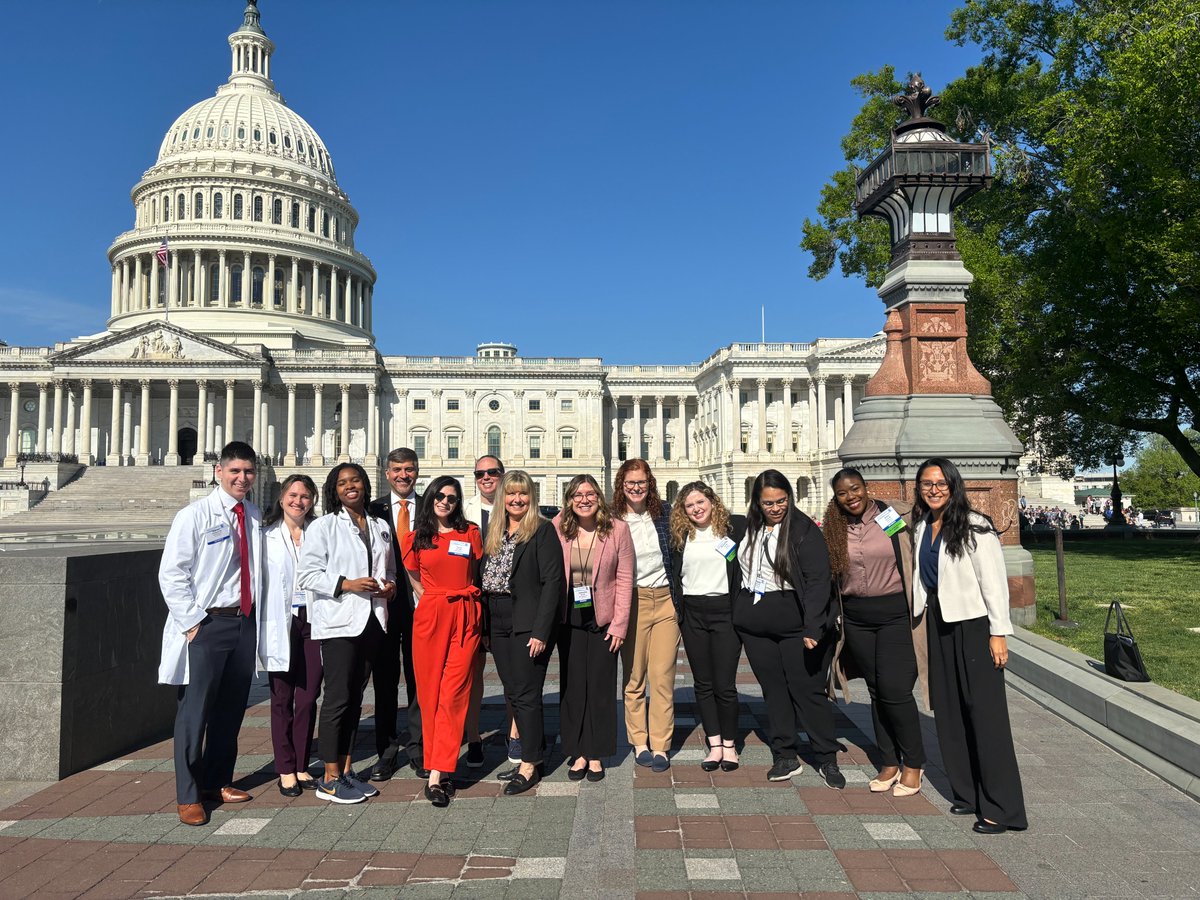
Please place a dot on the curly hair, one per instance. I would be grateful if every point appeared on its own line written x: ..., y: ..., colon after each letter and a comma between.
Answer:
x: 958, y: 531
x: 568, y: 522
x: 329, y: 495
x: 426, y: 527
x: 683, y: 529
x: 620, y: 506
x: 834, y: 524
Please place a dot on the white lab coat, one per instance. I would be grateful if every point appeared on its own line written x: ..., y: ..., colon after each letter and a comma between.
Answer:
x: 969, y: 586
x: 333, y: 549
x: 275, y: 643
x: 194, y: 561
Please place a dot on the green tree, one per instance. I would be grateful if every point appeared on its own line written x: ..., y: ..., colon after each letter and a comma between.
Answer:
x: 1085, y: 312
x: 1158, y: 478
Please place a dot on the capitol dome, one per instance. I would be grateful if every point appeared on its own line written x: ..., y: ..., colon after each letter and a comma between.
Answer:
x: 243, y: 205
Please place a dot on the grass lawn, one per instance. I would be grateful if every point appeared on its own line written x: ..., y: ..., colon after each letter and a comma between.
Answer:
x: 1158, y: 584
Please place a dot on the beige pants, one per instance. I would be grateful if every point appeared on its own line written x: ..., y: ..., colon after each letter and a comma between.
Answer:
x: 649, y: 663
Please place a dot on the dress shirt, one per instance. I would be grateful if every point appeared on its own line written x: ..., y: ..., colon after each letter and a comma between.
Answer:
x: 766, y: 549
x: 651, y: 573
x: 230, y: 591
x: 871, y: 561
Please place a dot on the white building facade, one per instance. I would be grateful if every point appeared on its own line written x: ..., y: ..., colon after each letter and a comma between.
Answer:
x: 259, y: 328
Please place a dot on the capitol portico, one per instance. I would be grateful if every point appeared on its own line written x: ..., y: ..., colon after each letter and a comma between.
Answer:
x: 258, y: 327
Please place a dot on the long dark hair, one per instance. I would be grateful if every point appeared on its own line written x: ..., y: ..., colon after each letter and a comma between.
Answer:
x: 275, y: 513
x: 329, y: 495
x: 426, y: 528
x: 958, y: 531
x: 772, y: 478
x: 833, y: 526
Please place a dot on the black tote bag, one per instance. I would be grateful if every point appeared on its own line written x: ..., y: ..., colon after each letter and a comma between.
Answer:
x: 1122, y: 658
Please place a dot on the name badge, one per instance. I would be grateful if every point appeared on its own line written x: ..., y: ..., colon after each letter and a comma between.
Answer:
x: 583, y: 596
x: 460, y: 548
x: 760, y: 588
x: 217, y: 534
x: 889, y: 520
x: 299, y: 599
x: 727, y: 548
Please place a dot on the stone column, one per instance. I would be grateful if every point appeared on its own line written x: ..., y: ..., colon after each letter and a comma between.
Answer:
x: 735, y: 402
x: 331, y: 313
x: 519, y: 405
x: 472, y: 425
x: 228, y: 435
x: 683, y: 423
x: 172, y: 457
x: 635, y: 440
x: 202, y: 423
x: 115, y: 294
x: 318, y: 455
x: 173, y: 282
x: 553, y: 451
x: 402, y: 418
x: 372, y: 425
x: 40, y: 445
x: 68, y: 432
x: 785, y: 442
x: 143, y: 454
x: 14, y: 406
x: 265, y: 433
x: 256, y: 414
x: 247, y: 300
x: 614, y: 438
x: 289, y: 458
x: 348, y: 295
x: 837, y: 421
x: 822, y: 415
x: 152, y: 300
x: 85, y: 424
x: 660, y: 440
x: 293, y: 295
x: 113, y: 456
x: 315, y: 300
x: 847, y: 403
x: 138, y: 292
x: 197, y: 280
x: 344, y: 456
x: 223, y: 279
x: 762, y: 415
x: 269, y: 287
x: 56, y: 423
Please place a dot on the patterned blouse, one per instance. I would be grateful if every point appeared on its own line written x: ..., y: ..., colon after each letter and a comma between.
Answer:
x: 498, y: 568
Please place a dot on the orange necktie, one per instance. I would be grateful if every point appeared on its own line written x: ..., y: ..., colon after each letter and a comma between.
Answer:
x: 402, y: 521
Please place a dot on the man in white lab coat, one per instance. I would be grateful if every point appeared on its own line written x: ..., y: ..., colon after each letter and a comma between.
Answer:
x: 211, y: 580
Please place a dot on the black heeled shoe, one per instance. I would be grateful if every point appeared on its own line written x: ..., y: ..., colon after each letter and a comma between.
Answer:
x: 729, y: 765
x: 711, y: 765
x: 437, y: 795
x: 519, y: 784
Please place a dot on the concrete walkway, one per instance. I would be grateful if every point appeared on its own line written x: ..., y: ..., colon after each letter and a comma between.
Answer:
x: 1100, y: 827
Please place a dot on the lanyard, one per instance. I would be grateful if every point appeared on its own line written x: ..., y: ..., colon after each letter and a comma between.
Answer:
x: 765, y: 556
x: 583, y: 561
x: 293, y: 550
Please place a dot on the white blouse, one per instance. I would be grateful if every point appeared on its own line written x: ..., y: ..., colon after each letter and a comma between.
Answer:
x: 704, y: 572
x: 651, y: 573
x: 766, y: 548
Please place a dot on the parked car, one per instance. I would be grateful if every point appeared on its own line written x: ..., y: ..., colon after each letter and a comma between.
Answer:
x: 1159, y: 518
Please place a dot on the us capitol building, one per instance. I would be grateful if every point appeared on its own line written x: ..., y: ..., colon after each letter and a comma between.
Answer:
x: 259, y: 328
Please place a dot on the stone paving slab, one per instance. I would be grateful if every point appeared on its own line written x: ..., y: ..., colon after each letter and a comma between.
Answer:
x: 1100, y: 827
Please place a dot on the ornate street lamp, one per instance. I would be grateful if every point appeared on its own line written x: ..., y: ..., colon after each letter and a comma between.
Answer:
x: 1116, y: 458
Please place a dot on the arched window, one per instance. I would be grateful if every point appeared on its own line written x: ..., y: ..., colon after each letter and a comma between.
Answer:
x: 258, y: 134
x: 295, y: 215
x: 167, y: 209
x: 312, y: 218
x: 241, y: 132
x: 196, y: 133
x: 271, y: 138
x: 235, y: 281
x: 276, y: 211
x: 198, y: 206
x: 237, y: 206
x: 278, y: 292
x: 214, y: 283
x: 324, y: 224
x: 256, y: 285
x: 218, y: 206
x: 258, y: 209
x: 300, y: 145
x: 181, y: 209
x: 153, y: 209
x: 493, y: 441
x: 287, y: 142
x: 209, y: 133
x: 225, y: 132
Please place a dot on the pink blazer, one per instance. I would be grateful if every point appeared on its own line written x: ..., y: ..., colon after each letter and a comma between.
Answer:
x: 612, y: 577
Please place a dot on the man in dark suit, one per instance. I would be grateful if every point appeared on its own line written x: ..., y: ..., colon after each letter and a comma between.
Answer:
x: 399, y: 507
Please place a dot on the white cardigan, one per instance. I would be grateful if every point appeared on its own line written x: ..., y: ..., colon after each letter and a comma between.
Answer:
x: 333, y: 549
x: 969, y: 586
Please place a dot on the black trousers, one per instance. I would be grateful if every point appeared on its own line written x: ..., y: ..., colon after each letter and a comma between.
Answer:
x: 523, y: 677
x: 794, y: 681
x: 212, y: 704
x: 879, y: 638
x: 347, y: 663
x: 971, y: 711
x: 713, y: 650
x: 588, y: 693
x: 393, y: 656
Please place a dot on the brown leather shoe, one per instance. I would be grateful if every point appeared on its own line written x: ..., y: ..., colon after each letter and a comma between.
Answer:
x: 227, y: 794
x: 192, y: 814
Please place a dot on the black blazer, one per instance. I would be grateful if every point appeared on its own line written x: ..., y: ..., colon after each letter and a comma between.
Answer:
x: 737, y: 531
x: 382, y: 508
x: 808, y: 569
x: 537, y: 583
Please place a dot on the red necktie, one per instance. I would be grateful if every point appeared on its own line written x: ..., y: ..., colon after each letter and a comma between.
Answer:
x: 244, y: 553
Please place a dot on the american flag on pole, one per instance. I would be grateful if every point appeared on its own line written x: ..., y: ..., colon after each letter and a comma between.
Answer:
x: 162, y: 252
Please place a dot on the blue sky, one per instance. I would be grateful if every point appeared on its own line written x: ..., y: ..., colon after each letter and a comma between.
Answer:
x: 622, y: 179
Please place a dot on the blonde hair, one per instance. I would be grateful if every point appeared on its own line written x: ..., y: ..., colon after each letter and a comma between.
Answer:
x: 683, y: 529
x: 511, y: 483
x: 568, y: 522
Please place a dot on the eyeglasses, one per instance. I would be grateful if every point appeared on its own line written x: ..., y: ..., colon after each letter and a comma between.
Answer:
x: 439, y: 497
x: 590, y: 495
x: 636, y: 484
x: 934, y: 485
x: 495, y: 473
x: 773, y: 504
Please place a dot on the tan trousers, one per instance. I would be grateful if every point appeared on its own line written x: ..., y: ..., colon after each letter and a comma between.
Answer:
x: 649, y: 664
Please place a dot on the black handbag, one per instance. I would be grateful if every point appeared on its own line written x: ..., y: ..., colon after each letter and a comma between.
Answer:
x: 1122, y: 658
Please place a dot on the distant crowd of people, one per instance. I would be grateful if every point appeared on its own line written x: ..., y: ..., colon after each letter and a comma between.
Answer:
x: 1057, y: 517
x: 420, y: 587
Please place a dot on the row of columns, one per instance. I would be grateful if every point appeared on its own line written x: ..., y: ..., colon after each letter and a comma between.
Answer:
x: 186, y: 281
x: 658, y: 450
x: 58, y: 435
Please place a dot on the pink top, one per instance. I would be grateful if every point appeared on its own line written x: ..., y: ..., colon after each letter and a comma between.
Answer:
x: 612, y: 576
x: 871, y: 569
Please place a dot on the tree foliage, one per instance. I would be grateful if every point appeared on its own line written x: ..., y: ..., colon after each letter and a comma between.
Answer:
x: 1085, y: 312
x: 1158, y: 478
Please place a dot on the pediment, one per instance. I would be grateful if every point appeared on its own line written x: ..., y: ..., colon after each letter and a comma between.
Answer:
x: 155, y: 342
x: 869, y: 348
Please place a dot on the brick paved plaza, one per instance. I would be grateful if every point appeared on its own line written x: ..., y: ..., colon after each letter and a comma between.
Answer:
x: 1101, y: 826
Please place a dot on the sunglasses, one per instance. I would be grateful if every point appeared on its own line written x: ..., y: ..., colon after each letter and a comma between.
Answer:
x: 495, y: 473
x: 439, y: 497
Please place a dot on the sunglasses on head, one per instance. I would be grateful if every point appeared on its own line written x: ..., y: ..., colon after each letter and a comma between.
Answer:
x: 439, y: 497
x: 480, y: 473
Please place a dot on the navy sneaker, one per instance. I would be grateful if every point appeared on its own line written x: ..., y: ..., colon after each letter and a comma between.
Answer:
x: 514, y: 751
x: 339, y: 790
x: 363, y: 784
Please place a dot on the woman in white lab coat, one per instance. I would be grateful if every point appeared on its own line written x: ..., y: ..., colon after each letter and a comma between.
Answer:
x: 347, y: 563
x: 292, y: 657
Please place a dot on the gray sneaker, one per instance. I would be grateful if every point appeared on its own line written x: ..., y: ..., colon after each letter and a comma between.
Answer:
x: 339, y: 790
